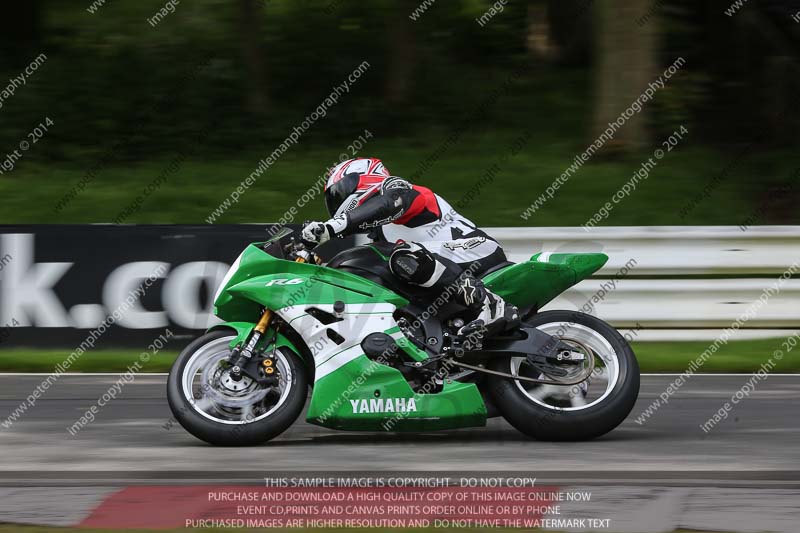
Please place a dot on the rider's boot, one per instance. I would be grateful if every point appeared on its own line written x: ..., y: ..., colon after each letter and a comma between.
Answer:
x: 493, y: 313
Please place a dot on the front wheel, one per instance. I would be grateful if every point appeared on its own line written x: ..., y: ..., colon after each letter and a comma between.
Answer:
x: 584, y: 411
x: 213, y: 407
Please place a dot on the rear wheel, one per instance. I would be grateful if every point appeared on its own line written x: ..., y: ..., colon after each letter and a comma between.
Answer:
x: 583, y: 411
x: 213, y: 407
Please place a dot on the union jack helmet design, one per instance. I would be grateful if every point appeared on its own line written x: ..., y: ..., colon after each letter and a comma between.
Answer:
x: 351, y: 182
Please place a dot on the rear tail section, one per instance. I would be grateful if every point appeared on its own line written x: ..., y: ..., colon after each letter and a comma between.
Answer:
x: 543, y: 277
x: 584, y: 265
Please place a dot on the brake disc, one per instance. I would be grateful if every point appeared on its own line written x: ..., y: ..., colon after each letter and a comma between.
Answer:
x: 224, y: 391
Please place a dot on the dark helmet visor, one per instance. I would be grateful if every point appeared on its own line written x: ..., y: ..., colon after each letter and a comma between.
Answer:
x: 339, y: 191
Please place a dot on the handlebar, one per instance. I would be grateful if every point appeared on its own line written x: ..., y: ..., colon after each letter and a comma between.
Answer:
x: 298, y: 249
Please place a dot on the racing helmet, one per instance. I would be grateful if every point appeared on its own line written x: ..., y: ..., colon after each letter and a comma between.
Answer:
x: 351, y: 182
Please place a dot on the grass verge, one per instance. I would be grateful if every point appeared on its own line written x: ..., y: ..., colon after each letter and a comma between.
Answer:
x: 36, y: 360
x: 739, y: 356
x: 478, y: 175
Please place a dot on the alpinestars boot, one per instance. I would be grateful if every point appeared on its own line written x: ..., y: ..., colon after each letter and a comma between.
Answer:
x: 493, y: 313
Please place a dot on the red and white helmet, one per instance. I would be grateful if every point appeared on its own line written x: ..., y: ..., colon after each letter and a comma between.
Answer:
x: 351, y: 182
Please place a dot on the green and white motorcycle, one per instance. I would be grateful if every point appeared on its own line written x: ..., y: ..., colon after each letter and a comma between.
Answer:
x: 382, y: 356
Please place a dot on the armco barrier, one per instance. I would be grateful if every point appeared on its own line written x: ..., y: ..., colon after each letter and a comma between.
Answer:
x: 667, y: 250
x: 687, y: 282
x: 57, y: 282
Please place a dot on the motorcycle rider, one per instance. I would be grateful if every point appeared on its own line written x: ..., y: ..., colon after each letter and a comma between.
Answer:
x: 436, y: 247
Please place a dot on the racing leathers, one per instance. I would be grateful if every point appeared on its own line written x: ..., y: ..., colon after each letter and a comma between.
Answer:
x: 435, y: 247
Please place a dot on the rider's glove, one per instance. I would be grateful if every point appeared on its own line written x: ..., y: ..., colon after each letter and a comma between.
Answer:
x: 322, y: 232
x: 317, y: 232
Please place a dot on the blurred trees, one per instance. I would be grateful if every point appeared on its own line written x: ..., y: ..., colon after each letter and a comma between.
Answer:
x: 625, y: 62
x: 268, y: 63
x: 20, y: 32
x: 256, y: 88
x: 402, y: 53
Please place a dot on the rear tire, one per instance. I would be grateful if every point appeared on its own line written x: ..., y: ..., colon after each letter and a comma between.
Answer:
x: 520, y: 402
x: 213, y: 429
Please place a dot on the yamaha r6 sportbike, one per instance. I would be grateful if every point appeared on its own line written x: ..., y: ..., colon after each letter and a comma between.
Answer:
x: 383, y: 356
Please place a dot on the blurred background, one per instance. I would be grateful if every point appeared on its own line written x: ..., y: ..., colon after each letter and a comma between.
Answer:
x: 184, y: 99
x: 173, y: 116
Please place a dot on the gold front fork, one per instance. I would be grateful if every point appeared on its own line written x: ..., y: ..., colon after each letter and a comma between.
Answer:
x: 263, y: 324
x: 258, y: 331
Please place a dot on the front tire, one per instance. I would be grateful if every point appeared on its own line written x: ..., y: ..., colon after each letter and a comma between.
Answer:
x: 577, y: 412
x: 226, y: 413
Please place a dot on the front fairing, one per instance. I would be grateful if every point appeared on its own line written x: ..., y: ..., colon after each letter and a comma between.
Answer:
x: 262, y: 280
x: 379, y: 396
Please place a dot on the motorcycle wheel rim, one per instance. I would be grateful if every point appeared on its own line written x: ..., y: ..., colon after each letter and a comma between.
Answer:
x: 608, y: 371
x: 211, y: 354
